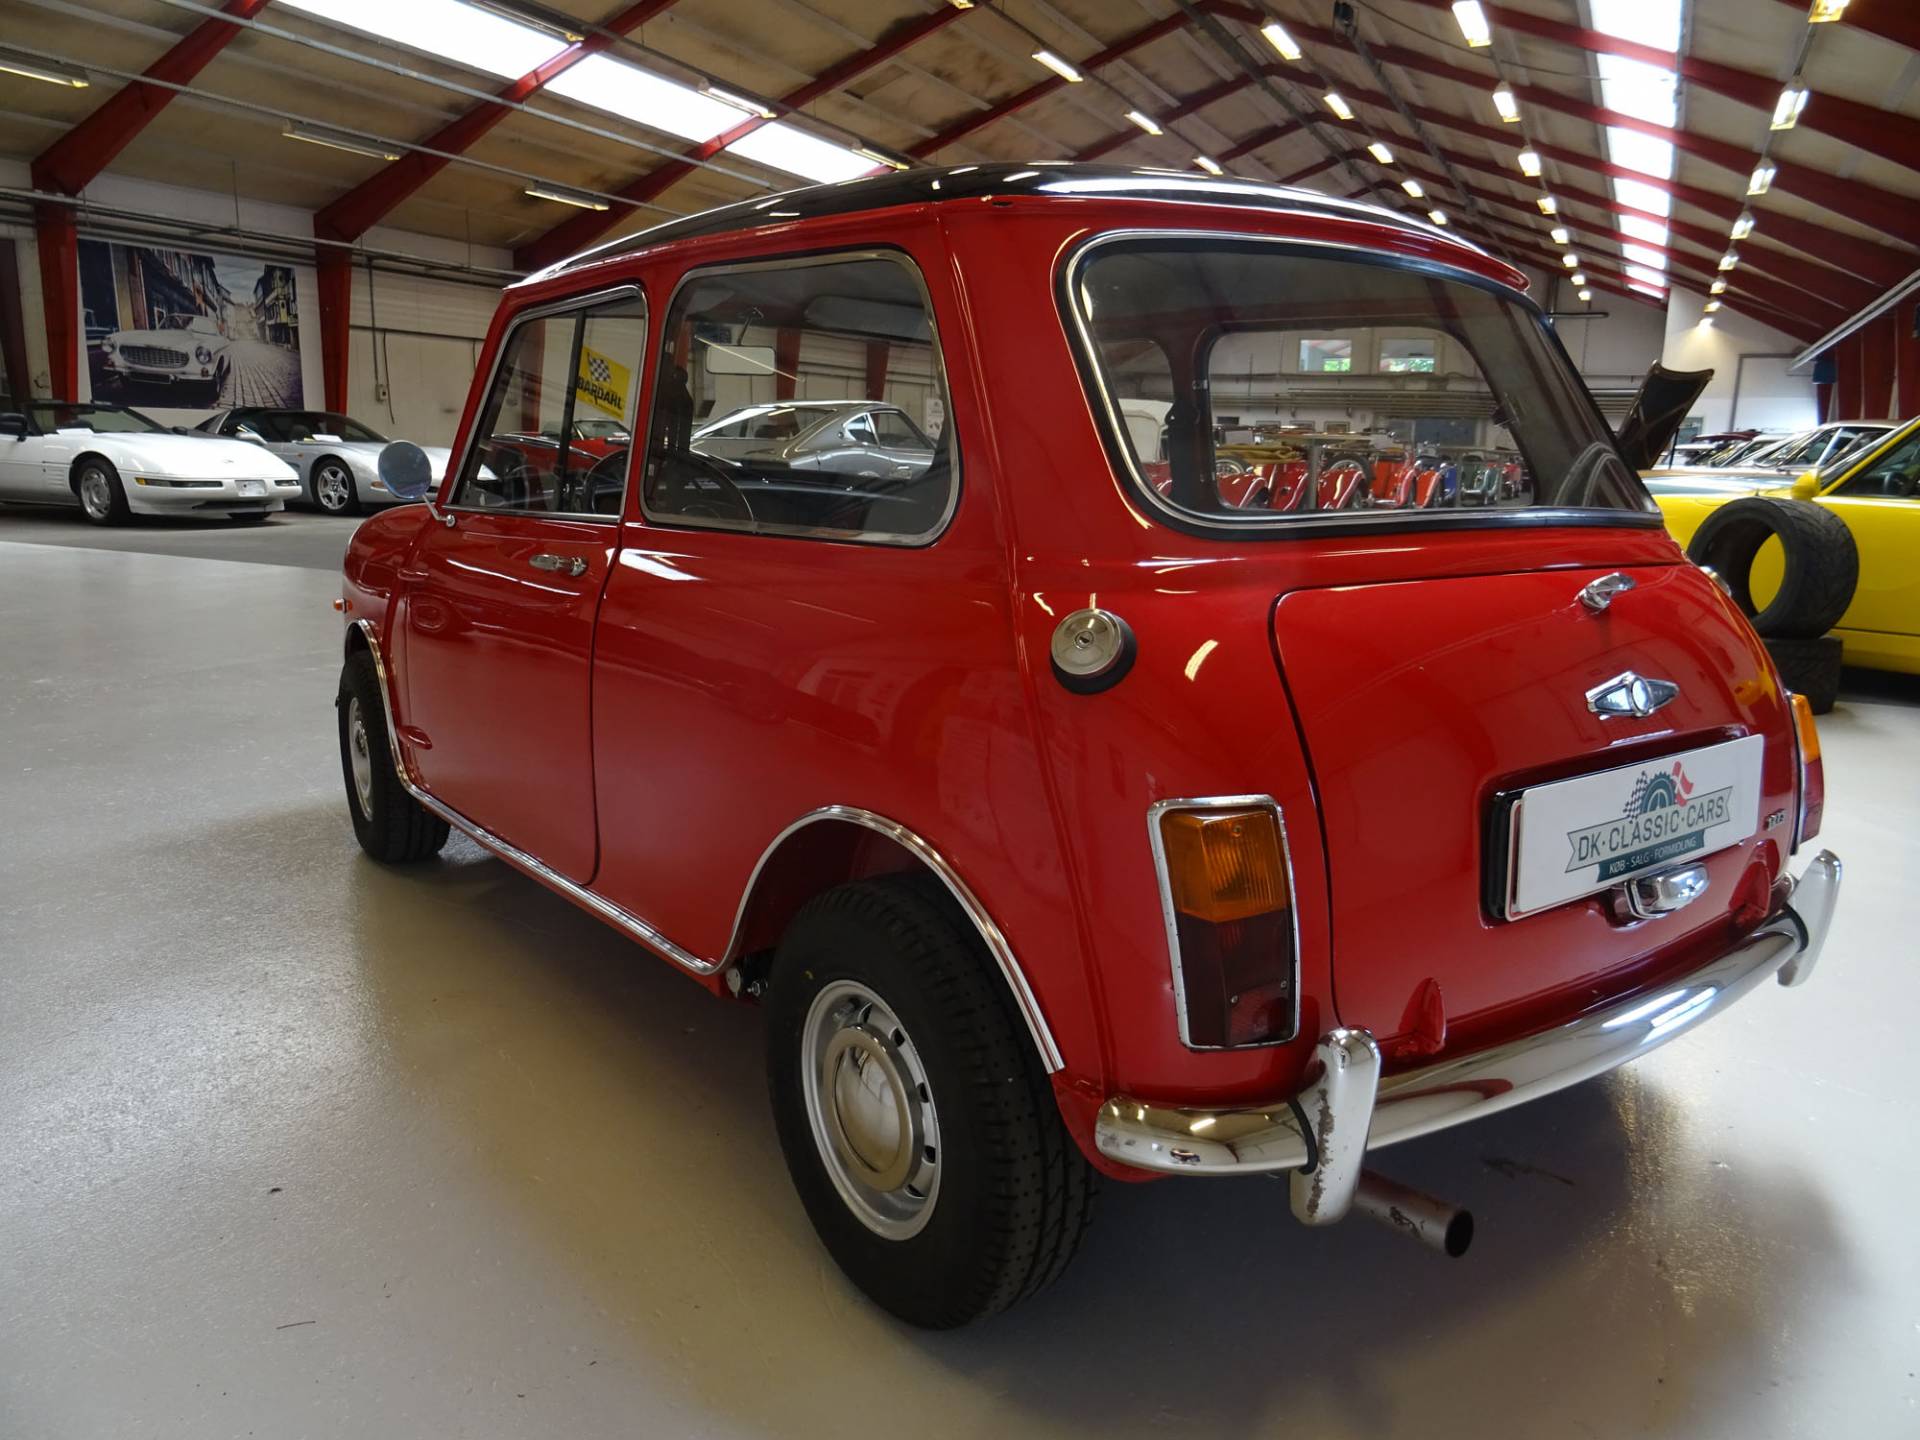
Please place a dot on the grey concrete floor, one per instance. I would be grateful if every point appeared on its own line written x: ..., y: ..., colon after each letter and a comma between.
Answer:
x: 294, y: 1145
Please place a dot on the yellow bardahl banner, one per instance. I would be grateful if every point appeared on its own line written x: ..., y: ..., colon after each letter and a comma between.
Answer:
x: 602, y: 382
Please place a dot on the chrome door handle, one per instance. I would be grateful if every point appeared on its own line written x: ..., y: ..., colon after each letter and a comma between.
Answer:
x: 560, y: 564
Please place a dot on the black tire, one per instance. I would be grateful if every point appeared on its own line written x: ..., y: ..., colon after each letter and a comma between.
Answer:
x: 1809, y: 667
x: 349, y: 501
x: 390, y: 824
x: 1013, y: 1195
x: 1822, y: 562
x: 91, y: 477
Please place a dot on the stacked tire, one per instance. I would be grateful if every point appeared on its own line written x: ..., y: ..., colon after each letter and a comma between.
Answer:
x: 1822, y: 568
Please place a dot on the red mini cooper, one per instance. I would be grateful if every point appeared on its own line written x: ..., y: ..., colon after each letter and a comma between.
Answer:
x: 1075, y: 811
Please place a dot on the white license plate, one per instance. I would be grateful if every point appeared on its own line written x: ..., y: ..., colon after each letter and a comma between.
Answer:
x: 1576, y: 837
x: 253, y: 487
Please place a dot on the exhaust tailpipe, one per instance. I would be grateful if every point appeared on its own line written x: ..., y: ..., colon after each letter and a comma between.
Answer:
x: 1415, y: 1214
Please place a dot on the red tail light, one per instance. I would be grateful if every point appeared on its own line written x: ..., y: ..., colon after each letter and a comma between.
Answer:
x: 1813, y: 773
x: 1228, y: 900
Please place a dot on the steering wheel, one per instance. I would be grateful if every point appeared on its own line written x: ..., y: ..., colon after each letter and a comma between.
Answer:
x: 606, y: 478
x: 703, y: 488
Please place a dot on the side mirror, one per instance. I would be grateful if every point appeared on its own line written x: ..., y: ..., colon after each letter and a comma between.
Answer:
x: 406, y: 470
x: 1806, y: 486
x: 13, y: 427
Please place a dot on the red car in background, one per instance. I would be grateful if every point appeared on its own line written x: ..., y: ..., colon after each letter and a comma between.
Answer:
x: 938, y: 767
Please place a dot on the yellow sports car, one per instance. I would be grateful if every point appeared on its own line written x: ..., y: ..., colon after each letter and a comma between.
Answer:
x: 1783, y: 562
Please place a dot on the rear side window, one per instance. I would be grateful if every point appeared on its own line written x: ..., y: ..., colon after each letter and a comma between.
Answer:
x: 556, y: 434
x: 1250, y: 384
x: 764, y: 412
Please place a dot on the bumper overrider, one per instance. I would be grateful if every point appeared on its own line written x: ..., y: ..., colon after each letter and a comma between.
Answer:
x: 1319, y: 1137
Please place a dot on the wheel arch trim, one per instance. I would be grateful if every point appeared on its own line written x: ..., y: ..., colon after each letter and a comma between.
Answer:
x: 915, y: 845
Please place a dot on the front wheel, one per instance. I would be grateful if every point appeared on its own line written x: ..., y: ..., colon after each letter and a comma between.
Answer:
x: 333, y: 489
x: 388, y: 822
x: 103, y: 500
x: 920, y: 1132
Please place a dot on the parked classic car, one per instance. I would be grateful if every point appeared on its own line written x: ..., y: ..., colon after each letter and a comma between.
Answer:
x: 863, y: 438
x: 336, y: 456
x: 934, y: 767
x: 1768, y: 542
x: 114, y: 462
x: 189, y: 351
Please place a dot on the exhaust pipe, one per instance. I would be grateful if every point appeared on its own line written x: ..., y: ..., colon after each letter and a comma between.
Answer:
x: 1415, y: 1214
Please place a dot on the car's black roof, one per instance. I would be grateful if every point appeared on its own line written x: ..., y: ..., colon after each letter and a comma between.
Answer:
x: 968, y: 182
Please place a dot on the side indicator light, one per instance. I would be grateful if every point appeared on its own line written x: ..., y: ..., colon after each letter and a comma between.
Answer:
x: 1813, y: 771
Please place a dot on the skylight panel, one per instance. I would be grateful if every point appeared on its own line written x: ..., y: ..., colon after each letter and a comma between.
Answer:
x: 651, y: 100
x: 1648, y: 154
x: 1635, y: 88
x: 447, y: 29
x: 786, y: 147
x: 1649, y: 22
x: 1641, y: 255
x: 1640, y: 274
x: 1641, y: 196
x: 1641, y: 228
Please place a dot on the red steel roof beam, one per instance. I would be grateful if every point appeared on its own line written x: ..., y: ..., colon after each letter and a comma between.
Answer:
x: 575, y: 234
x: 364, y: 206
x: 1895, y: 20
x: 73, y: 161
x: 1189, y: 106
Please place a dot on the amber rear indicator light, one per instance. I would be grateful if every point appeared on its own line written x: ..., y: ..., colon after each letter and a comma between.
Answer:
x: 1228, y: 899
x: 1813, y: 771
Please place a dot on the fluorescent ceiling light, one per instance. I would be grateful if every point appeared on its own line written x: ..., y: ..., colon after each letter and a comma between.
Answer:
x: 1548, y: 205
x: 1473, y: 23
x: 1711, y: 306
x: 1380, y: 153
x: 1561, y: 235
x: 1706, y: 322
x: 1729, y: 260
x: 1651, y: 291
x: 1639, y: 195
x: 563, y: 27
x: 1208, y: 164
x: 645, y: 98
x: 880, y: 157
x: 1570, y: 260
x: 1719, y: 287
x: 444, y: 29
x: 1648, y: 154
x: 1825, y: 12
x: 1507, y: 103
x: 334, y: 140
x: 1655, y: 278
x: 1762, y: 180
x: 1059, y: 67
x: 739, y: 102
x: 1529, y: 163
x: 566, y: 197
x: 1636, y: 88
x: 1641, y: 228
x: 1145, y: 122
x: 1577, y: 278
x: 1278, y: 37
x: 1786, y: 110
x: 1338, y: 105
x: 1743, y: 226
x: 51, y: 71
x: 1655, y: 23
x: 1438, y: 217
x: 1413, y: 188
x: 781, y: 146
x: 1586, y: 295
x: 1640, y: 254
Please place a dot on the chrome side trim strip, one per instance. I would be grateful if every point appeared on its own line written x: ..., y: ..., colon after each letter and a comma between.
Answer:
x: 639, y: 929
x: 1270, y: 1138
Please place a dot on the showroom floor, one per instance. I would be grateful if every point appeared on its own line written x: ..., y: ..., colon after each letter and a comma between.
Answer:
x: 297, y: 1145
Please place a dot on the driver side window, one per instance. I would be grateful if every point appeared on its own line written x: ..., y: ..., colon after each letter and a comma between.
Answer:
x: 1894, y: 475
x: 536, y: 449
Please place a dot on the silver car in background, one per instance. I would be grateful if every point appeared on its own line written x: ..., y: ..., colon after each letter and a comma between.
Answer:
x: 337, y: 457
x: 841, y: 437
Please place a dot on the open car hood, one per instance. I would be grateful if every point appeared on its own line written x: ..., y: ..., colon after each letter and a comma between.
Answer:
x: 1664, y: 399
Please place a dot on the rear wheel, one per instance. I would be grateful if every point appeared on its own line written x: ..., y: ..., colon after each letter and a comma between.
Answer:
x: 920, y: 1132
x: 1810, y: 668
x: 388, y: 822
x: 103, y: 500
x: 333, y: 489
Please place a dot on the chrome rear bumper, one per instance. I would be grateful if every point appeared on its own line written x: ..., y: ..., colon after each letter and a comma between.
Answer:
x: 1322, y: 1134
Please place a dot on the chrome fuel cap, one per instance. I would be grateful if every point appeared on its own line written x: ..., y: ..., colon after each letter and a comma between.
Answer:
x: 1091, y: 650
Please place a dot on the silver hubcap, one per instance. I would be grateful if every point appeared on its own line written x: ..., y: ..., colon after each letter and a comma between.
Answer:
x: 871, y: 1109
x: 332, y: 488
x: 360, y: 758
x: 96, y: 494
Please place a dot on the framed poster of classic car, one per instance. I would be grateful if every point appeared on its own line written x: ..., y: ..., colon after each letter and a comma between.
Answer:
x: 188, y: 329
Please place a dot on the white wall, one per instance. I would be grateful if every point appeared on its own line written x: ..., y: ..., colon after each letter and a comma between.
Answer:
x: 1769, y: 398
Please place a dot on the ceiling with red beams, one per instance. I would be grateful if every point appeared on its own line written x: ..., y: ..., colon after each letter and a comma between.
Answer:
x: 1735, y: 148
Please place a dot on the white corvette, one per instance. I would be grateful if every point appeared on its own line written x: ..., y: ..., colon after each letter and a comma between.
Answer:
x: 113, y: 462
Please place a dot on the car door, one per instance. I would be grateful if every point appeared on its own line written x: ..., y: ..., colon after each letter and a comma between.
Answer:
x: 499, y: 612
x: 20, y: 467
x: 1879, y: 498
